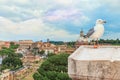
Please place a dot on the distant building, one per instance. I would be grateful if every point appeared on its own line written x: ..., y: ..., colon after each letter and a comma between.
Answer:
x: 37, y: 44
x: 25, y: 43
x: 62, y: 48
x: 18, y: 74
x: 46, y: 46
x: 81, y: 40
x: 48, y: 40
x: 6, y: 75
x: 30, y: 58
x: 51, y: 48
x: 4, y: 44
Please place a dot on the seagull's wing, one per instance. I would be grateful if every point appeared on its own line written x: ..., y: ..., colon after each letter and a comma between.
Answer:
x: 90, y: 32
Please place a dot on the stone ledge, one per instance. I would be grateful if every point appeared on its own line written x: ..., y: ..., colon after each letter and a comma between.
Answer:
x: 87, y: 63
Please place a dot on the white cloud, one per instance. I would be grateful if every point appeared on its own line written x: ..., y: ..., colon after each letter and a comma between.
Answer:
x: 84, y: 5
x: 36, y: 8
x: 34, y: 28
x: 111, y: 3
x: 61, y: 14
x: 74, y: 16
x: 64, y: 2
x: 81, y: 20
x: 14, y: 1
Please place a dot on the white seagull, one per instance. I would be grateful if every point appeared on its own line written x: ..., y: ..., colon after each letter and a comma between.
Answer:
x: 97, y: 31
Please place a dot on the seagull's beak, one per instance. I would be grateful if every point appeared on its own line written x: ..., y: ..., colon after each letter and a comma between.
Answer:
x: 104, y: 21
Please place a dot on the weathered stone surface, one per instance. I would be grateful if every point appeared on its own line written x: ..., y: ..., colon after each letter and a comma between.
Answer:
x: 87, y: 63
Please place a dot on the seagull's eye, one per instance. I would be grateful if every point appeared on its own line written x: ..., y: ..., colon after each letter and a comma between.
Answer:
x: 99, y: 21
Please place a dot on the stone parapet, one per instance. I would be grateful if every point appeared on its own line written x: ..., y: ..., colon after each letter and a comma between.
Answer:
x: 87, y: 63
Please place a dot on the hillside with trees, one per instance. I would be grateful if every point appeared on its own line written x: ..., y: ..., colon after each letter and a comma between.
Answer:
x: 53, y: 68
x: 110, y: 41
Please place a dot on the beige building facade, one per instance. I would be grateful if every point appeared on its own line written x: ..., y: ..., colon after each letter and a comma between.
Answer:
x: 25, y: 43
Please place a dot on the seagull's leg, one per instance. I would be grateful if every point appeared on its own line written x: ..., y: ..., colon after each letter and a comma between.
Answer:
x: 97, y: 41
x: 94, y: 43
x: 97, y: 44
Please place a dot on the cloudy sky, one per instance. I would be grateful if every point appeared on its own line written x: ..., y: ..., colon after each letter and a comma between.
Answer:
x: 56, y: 19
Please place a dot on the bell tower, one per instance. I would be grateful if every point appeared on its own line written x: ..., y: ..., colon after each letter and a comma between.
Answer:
x: 81, y: 33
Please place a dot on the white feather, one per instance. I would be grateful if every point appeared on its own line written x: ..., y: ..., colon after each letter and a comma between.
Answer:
x: 98, y: 29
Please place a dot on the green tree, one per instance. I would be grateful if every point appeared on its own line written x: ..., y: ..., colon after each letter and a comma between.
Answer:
x: 11, y: 63
x: 19, y: 55
x: 5, y: 51
x: 37, y: 76
x: 2, y: 54
x: 50, y: 54
x: 35, y: 51
x: 10, y: 60
x: 110, y: 41
x: 14, y: 46
x: 54, y: 68
x: 41, y: 52
x: 71, y: 44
